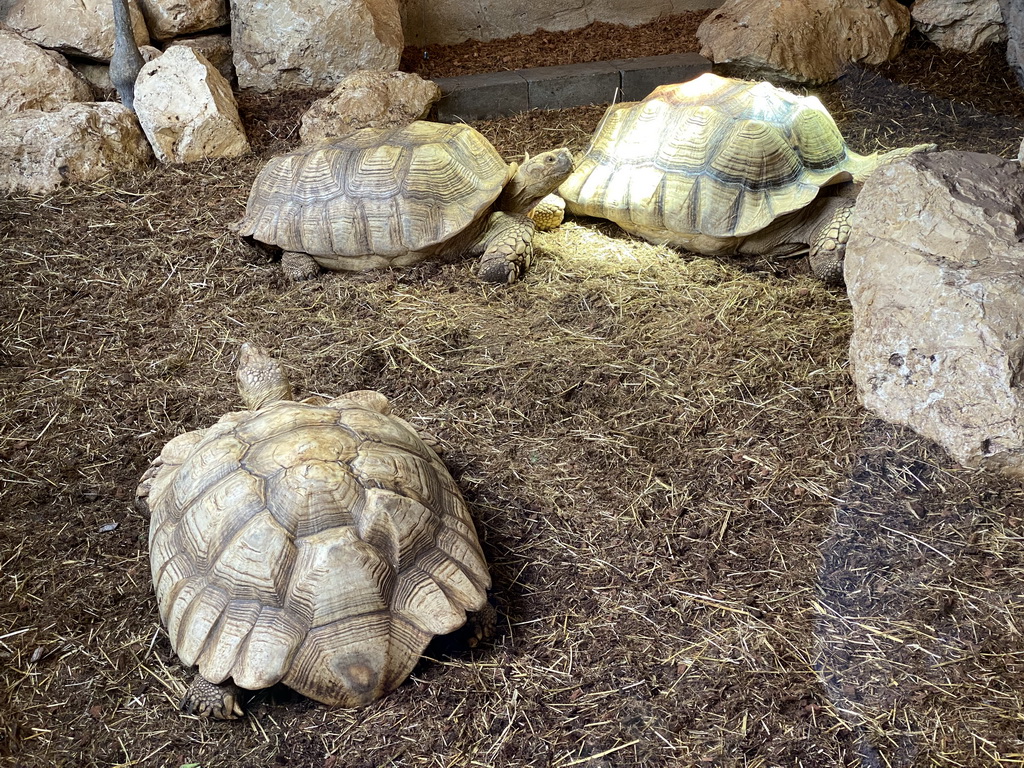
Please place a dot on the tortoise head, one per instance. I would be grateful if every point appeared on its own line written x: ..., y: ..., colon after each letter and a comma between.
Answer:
x: 261, y: 378
x: 535, y: 178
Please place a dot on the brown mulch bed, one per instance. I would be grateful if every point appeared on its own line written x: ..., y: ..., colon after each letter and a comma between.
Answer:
x: 704, y: 551
x: 599, y: 41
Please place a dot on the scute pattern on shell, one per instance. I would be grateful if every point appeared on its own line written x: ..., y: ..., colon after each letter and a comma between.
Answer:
x: 318, y: 545
x: 385, y: 192
x: 714, y: 155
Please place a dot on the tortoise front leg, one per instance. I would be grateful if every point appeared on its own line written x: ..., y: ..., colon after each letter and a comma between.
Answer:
x: 507, y: 248
x: 828, y: 248
x: 208, y: 699
x: 549, y: 213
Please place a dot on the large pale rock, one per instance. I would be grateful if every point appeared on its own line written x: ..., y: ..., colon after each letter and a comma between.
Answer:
x: 369, y: 99
x: 172, y: 18
x: 959, y: 25
x: 293, y: 44
x: 452, y: 21
x: 75, y: 27
x: 807, y: 41
x: 1013, y: 18
x: 187, y: 110
x: 935, y: 275
x: 39, y: 150
x: 35, y: 78
x: 215, y: 48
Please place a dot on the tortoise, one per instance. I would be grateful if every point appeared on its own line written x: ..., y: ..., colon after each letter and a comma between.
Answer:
x: 721, y: 166
x: 317, y: 543
x: 395, y: 196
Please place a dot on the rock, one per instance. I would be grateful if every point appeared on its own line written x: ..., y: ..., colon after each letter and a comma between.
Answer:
x: 369, y: 99
x: 35, y: 78
x: 959, y: 25
x: 39, y: 150
x: 312, y: 43
x: 168, y: 19
x: 1013, y: 18
x: 74, y: 27
x: 187, y: 110
x: 215, y: 48
x: 934, y: 275
x: 806, y: 41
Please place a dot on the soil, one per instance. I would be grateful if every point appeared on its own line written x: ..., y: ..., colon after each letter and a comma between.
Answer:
x: 704, y: 551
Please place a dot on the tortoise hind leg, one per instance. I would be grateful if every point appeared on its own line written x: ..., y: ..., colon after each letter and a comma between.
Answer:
x: 507, y: 248
x: 299, y: 266
x: 208, y: 699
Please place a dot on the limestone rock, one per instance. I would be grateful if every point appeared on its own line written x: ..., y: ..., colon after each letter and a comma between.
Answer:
x: 215, y: 48
x: 959, y: 25
x: 807, y: 41
x: 168, y: 19
x: 1013, y: 18
x: 35, y: 78
x: 187, y: 110
x: 934, y: 275
x: 74, y: 27
x: 39, y: 150
x: 312, y: 43
x: 369, y: 99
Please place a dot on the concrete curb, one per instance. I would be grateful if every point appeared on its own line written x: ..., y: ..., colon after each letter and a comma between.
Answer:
x: 495, y: 94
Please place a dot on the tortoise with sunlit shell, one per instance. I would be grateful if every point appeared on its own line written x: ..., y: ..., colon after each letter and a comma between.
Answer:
x: 320, y: 544
x: 721, y: 166
x: 385, y: 197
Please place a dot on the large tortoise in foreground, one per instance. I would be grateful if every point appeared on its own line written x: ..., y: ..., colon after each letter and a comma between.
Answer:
x: 721, y: 166
x: 319, y: 543
x: 396, y: 196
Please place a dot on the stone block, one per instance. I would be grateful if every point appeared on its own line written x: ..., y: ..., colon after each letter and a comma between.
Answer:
x: 480, y: 97
x: 638, y: 77
x: 571, y: 86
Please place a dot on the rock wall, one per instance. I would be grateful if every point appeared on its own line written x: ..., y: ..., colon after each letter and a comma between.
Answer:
x: 452, y: 21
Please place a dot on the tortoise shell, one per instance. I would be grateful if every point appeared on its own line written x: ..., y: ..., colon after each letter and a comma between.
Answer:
x: 384, y: 192
x: 319, y: 544
x: 715, y: 156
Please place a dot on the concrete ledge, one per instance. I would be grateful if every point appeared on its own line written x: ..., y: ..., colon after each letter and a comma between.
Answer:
x: 495, y: 94
x: 571, y: 86
x: 641, y: 76
x: 481, y: 97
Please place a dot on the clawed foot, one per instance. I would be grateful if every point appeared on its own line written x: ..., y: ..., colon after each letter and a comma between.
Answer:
x: 508, y: 253
x: 299, y: 267
x: 207, y: 699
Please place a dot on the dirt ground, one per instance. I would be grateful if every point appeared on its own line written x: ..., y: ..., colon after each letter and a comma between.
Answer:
x: 704, y: 551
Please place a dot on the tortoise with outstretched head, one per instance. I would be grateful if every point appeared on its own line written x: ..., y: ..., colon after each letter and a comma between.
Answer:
x: 396, y: 196
x: 320, y: 544
x: 721, y: 166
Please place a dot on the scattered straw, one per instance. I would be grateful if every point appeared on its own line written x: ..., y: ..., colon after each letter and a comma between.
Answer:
x: 704, y: 552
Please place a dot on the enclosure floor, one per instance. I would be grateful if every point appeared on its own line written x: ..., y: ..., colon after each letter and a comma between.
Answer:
x: 704, y: 551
